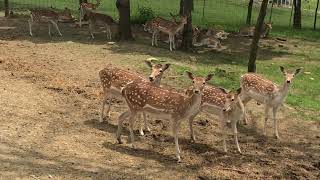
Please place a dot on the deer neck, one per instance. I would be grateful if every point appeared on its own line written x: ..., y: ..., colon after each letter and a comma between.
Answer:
x: 157, y: 81
x: 179, y: 27
x: 193, y: 104
x: 284, y: 89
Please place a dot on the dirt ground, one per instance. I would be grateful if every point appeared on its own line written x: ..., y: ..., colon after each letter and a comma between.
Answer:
x: 50, y: 100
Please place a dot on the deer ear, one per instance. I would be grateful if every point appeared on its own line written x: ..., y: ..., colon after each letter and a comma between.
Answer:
x: 190, y: 75
x: 148, y: 63
x: 282, y: 69
x: 209, y: 77
x: 297, y: 71
x: 165, y: 67
x: 239, y: 91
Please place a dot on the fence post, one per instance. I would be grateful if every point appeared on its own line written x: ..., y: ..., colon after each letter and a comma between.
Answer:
x: 6, y: 8
x: 203, y: 8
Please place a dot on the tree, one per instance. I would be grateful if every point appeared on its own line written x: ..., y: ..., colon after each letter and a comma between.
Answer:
x: 186, y: 7
x: 297, y: 14
x: 249, y: 12
x: 6, y: 7
x: 256, y: 37
x: 124, y: 30
x: 315, y: 16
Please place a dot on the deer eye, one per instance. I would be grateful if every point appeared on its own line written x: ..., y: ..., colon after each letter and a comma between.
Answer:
x: 193, y: 82
x: 232, y: 99
x: 161, y: 71
x: 204, y: 83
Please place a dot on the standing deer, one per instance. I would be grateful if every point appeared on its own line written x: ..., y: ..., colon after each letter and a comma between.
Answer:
x: 266, y: 92
x: 113, y: 79
x: 168, y: 27
x: 165, y: 104
x: 47, y: 16
x: 89, y: 6
x: 98, y: 18
x: 223, y: 104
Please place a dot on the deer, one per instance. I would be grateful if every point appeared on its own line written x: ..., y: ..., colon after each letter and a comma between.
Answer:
x: 249, y: 31
x: 266, y: 92
x: 165, y: 104
x: 48, y: 16
x: 89, y: 6
x: 226, y: 105
x: 98, y: 18
x: 113, y: 79
x: 170, y: 28
x: 211, y: 38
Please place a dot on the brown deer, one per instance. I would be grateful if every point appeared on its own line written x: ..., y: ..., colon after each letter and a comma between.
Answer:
x: 88, y: 6
x: 167, y: 27
x: 103, y: 19
x: 249, y: 31
x: 48, y: 16
x: 266, y: 92
x: 165, y: 104
x: 225, y: 105
x: 113, y: 79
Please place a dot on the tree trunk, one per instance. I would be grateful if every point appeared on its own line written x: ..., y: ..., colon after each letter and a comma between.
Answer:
x: 250, y: 5
x: 256, y: 37
x: 187, y: 35
x: 124, y: 29
x: 297, y: 14
x: 315, y: 16
x: 6, y: 8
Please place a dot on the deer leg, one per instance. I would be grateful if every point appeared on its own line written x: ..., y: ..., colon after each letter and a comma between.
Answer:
x: 170, y: 42
x: 224, y: 132
x: 30, y: 22
x: 49, y: 27
x: 175, y: 134
x: 131, y: 124
x: 110, y: 33
x: 235, y: 134
x: 146, y: 127
x: 90, y: 29
x: 275, y: 124
x: 153, y: 38
x: 56, y: 26
x: 266, y: 116
x: 80, y: 18
x: 156, y: 38
x: 192, y: 137
x: 173, y: 42
x: 122, y: 117
x: 244, y: 100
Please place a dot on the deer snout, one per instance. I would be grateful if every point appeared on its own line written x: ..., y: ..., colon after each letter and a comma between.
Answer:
x: 196, y: 91
x: 151, y: 78
x: 288, y: 81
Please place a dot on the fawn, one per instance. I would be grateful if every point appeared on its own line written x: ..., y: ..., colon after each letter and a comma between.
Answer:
x: 249, y: 31
x: 89, y: 6
x: 266, y: 92
x: 165, y: 104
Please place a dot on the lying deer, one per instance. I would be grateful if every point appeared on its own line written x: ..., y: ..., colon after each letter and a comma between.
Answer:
x: 88, y: 6
x: 47, y: 16
x: 223, y: 104
x: 98, y: 18
x: 113, y: 79
x: 170, y: 28
x: 211, y: 38
x: 266, y: 92
x: 249, y: 31
x: 165, y: 104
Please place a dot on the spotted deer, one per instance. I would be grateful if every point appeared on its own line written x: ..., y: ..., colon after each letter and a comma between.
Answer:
x: 113, y: 79
x: 48, y: 16
x: 88, y: 6
x: 211, y: 38
x: 249, y: 31
x: 102, y: 19
x: 162, y: 103
x: 225, y: 105
x: 170, y: 28
x: 266, y: 92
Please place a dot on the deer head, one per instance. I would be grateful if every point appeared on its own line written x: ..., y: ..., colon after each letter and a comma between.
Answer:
x: 198, y: 82
x: 289, y: 76
x: 232, y: 100
x: 157, y: 71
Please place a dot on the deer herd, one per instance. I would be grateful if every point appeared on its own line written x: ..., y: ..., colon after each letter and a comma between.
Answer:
x: 210, y: 38
x: 145, y: 96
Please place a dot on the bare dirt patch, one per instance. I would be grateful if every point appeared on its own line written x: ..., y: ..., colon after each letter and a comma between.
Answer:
x: 50, y: 103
